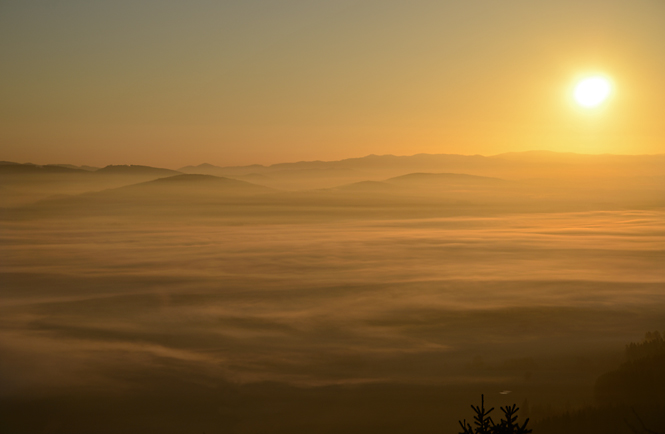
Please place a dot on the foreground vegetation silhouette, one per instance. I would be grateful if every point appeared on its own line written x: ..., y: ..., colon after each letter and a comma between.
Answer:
x: 629, y: 399
x: 485, y: 424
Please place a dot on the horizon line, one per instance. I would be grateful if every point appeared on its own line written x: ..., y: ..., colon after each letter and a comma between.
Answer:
x: 339, y: 160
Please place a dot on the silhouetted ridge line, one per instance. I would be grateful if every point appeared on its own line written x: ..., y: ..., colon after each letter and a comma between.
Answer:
x: 9, y: 168
x: 72, y: 166
x: 388, y: 160
x: 199, y: 179
x: 189, y: 178
x: 136, y: 169
x: 444, y: 177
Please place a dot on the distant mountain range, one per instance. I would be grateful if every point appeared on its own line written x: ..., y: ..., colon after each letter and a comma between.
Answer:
x: 136, y: 170
x: 189, y: 185
x: 8, y: 167
x: 404, y: 196
x: 437, y: 161
x: 515, y: 165
x: 446, y: 176
x: 519, y: 162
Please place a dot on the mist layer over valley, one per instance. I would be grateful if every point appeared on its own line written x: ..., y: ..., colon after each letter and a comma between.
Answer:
x: 382, y: 294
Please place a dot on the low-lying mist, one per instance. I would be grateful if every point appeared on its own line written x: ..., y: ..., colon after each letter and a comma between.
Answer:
x: 210, y: 304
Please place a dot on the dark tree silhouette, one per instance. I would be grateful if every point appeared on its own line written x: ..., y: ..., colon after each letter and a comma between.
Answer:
x: 482, y: 420
x: 508, y: 424
x: 485, y: 425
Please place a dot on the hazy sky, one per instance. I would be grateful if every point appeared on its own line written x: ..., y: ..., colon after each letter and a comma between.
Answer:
x: 171, y: 83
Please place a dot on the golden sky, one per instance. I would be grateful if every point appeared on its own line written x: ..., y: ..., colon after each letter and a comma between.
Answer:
x: 170, y: 83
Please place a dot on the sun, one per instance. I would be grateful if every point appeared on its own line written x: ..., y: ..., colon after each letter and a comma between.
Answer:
x: 592, y: 91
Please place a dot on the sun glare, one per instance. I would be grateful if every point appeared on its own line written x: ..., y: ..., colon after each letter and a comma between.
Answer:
x: 592, y: 91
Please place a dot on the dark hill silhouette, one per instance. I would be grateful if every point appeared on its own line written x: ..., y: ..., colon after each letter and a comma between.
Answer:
x: 451, y: 179
x: 515, y: 165
x: 31, y: 182
x: 630, y: 399
x: 638, y: 381
x: 184, y: 188
x: 541, y: 178
x: 177, y: 195
x: 9, y: 168
x: 641, y: 382
x: 202, y: 166
x: 200, y: 181
x: 135, y: 170
x: 392, y: 163
x: 72, y: 166
x: 388, y: 162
